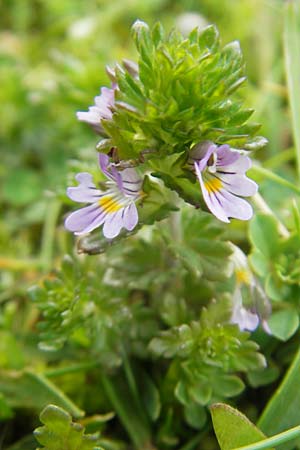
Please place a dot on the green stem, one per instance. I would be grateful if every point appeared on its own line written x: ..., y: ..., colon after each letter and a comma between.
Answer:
x: 264, y: 207
x: 274, y: 177
x: 131, y: 380
x: 192, y: 443
x: 48, y: 233
x: 280, y: 158
x: 71, y: 369
x: 273, y: 441
x: 131, y: 420
x: 292, y: 67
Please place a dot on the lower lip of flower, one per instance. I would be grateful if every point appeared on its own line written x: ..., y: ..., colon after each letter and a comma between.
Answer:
x: 213, y: 185
x: 109, y: 204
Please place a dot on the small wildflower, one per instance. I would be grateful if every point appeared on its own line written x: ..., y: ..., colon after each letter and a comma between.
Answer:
x: 250, y: 304
x: 221, y: 174
x: 113, y: 208
x: 101, y: 110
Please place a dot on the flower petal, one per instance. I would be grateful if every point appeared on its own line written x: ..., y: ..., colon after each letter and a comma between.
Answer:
x: 130, y: 217
x: 238, y: 184
x: 131, y: 182
x: 211, y: 199
x: 113, y: 224
x: 233, y: 206
x: 241, y: 165
x: 86, y: 191
x: 85, y: 219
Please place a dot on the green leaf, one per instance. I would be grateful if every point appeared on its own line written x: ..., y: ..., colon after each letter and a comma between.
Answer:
x: 283, y: 324
x: 26, y: 389
x: 282, y: 410
x: 232, y: 428
x: 59, y: 432
x: 264, y: 235
x: 195, y: 415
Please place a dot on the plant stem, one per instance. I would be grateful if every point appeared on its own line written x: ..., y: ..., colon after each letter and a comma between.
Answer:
x: 274, y: 177
x: 292, y: 67
x: 278, y: 439
x: 48, y: 233
x: 264, y: 207
x: 125, y: 409
x: 71, y: 369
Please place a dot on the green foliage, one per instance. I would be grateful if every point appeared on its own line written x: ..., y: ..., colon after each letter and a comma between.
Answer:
x: 276, y: 260
x: 281, y: 412
x: 232, y: 428
x: 60, y: 432
x: 183, y: 94
x: 206, y: 355
x: 75, y: 310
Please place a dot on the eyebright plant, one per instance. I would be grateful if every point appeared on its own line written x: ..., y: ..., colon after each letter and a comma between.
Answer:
x: 167, y: 310
x: 178, y: 100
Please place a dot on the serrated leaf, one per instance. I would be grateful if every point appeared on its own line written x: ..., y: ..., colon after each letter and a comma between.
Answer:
x: 232, y: 428
x: 60, y: 432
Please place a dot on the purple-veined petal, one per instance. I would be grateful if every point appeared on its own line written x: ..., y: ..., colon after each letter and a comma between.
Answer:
x: 82, y: 194
x: 226, y: 156
x: 86, y: 191
x: 113, y: 224
x: 130, y: 217
x: 85, y: 219
x: 238, y: 184
x: 92, y: 116
x: 241, y: 165
x: 85, y: 179
x: 131, y: 182
x: 111, y: 173
x: 210, y: 199
x: 233, y: 206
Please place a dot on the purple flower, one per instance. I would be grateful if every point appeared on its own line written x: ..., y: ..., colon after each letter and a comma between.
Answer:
x: 221, y: 174
x: 113, y: 208
x: 101, y: 110
x: 250, y: 304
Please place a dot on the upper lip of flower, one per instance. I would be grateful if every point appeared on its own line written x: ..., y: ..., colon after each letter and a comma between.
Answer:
x: 114, y: 207
x: 221, y: 174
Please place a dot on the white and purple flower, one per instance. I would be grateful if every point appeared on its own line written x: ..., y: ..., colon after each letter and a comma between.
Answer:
x: 101, y: 110
x: 250, y: 305
x: 221, y: 174
x: 114, y: 208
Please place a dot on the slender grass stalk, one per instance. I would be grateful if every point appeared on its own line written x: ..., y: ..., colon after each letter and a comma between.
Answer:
x: 48, y: 233
x: 291, y: 39
x: 273, y: 441
x: 132, y: 422
x: 274, y: 177
x: 71, y: 369
x: 264, y: 207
